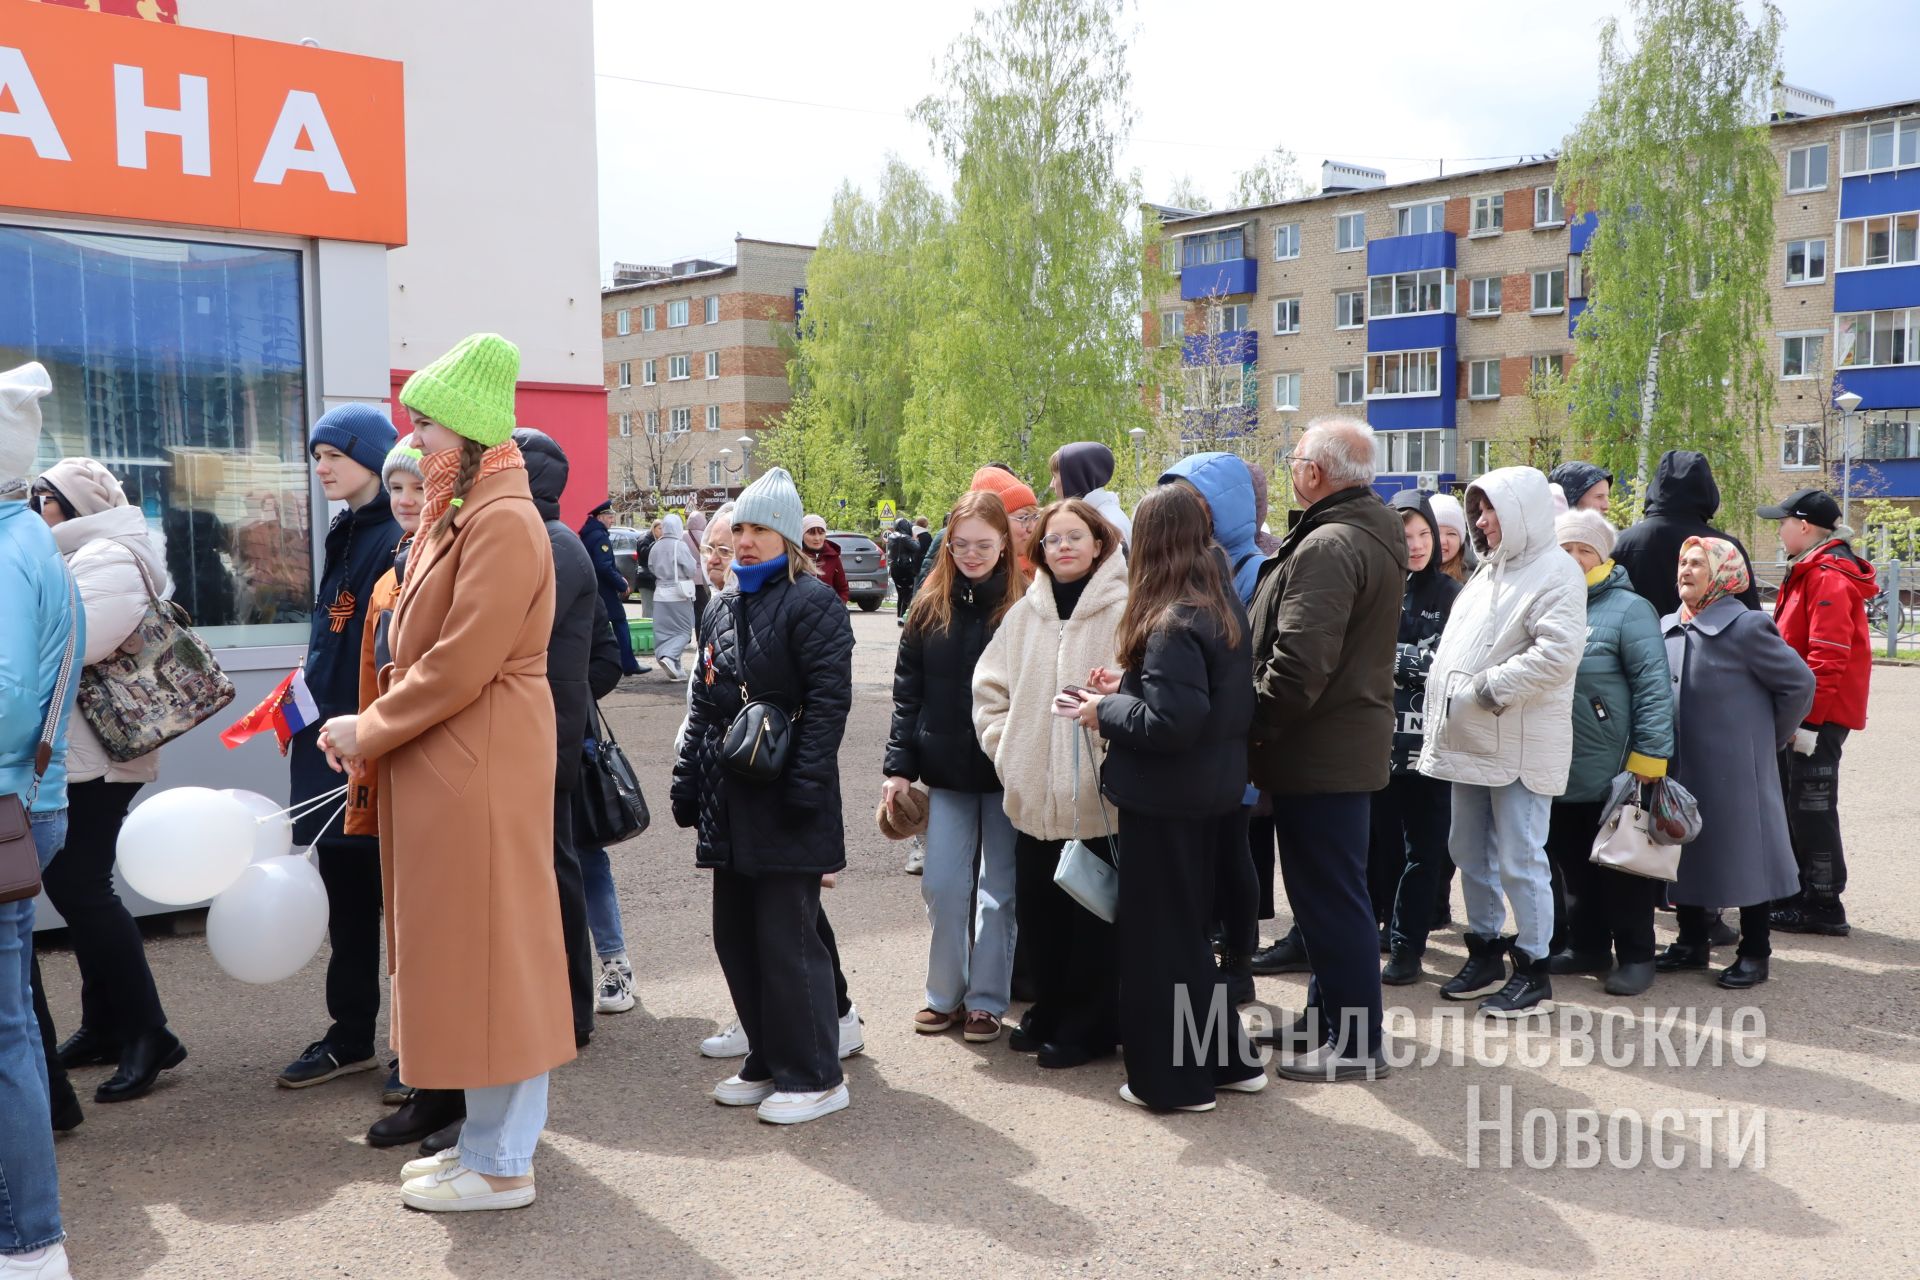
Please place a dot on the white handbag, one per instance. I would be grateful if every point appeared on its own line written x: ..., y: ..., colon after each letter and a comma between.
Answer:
x: 1088, y: 878
x: 1625, y: 844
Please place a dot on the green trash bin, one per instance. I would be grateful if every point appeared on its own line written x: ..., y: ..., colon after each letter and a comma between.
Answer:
x: 641, y: 629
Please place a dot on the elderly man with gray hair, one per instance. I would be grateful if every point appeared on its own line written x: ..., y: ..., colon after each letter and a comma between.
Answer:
x: 1326, y: 617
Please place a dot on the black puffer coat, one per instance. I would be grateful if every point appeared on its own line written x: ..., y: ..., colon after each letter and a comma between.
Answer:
x: 1178, y: 727
x: 1423, y: 616
x: 1681, y: 499
x: 798, y: 651
x: 932, y: 738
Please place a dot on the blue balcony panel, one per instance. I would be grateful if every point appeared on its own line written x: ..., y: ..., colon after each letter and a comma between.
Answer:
x: 1897, y: 387
x: 1876, y: 289
x: 1410, y: 253
x: 1580, y: 230
x: 1898, y: 478
x: 1229, y: 422
x: 1868, y: 194
x: 1412, y: 333
x: 1387, y: 485
x: 1574, y: 307
x: 1219, y: 279
x: 1415, y: 413
x: 1235, y: 346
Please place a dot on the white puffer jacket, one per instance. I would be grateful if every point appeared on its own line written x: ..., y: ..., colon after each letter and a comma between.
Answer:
x: 1504, y: 672
x: 1030, y: 658
x: 105, y: 548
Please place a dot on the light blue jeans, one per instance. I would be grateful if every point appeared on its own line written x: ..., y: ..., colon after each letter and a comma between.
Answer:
x: 1499, y: 842
x: 29, y: 1182
x: 970, y: 960
x: 603, y: 904
x: 503, y: 1127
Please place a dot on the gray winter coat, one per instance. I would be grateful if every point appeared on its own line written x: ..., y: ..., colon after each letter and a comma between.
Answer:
x: 1622, y: 697
x: 1739, y: 694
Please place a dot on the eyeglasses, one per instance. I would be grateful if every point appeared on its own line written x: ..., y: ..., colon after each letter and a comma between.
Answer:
x: 971, y: 548
x: 1292, y: 458
x: 719, y: 553
x: 1054, y: 541
x: 1025, y: 518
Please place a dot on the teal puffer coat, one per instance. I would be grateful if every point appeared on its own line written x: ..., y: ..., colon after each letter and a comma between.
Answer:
x: 1623, y: 694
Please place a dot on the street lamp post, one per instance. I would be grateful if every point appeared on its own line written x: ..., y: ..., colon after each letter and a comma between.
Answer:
x: 746, y: 461
x: 1138, y: 434
x: 1849, y: 404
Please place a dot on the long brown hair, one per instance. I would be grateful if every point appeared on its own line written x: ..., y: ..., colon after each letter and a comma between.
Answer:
x: 1103, y: 533
x: 1174, y: 564
x: 471, y: 454
x: 932, y: 609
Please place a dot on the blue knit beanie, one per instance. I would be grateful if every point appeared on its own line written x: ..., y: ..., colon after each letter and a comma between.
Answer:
x: 360, y: 431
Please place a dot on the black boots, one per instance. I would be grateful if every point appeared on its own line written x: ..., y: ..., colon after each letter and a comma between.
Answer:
x: 1744, y: 972
x: 1528, y: 991
x: 88, y: 1048
x: 1237, y: 969
x: 1402, y: 968
x: 426, y: 1112
x: 1484, y: 971
x: 141, y: 1063
x: 1630, y: 979
x: 1683, y: 955
x: 1288, y: 955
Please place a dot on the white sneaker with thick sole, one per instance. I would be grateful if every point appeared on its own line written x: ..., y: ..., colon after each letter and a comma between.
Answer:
x: 429, y: 1164
x: 1252, y: 1084
x: 728, y: 1043
x: 49, y: 1264
x: 737, y: 1092
x: 1127, y: 1094
x: 798, y: 1108
x: 615, y: 993
x: 853, y: 1033
x: 454, y: 1188
x: 916, y: 856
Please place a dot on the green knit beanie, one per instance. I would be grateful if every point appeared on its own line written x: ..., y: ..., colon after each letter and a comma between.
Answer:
x: 469, y: 390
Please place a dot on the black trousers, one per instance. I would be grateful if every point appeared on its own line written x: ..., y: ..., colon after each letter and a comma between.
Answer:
x: 1323, y: 861
x: 1260, y: 843
x: 351, y: 873
x: 766, y: 931
x: 59, y: 1088
x: 1755, y: 928
x: 581, y: 961
x: 1180, y: 1033
x: 1812, y: 788
x: 117, y: 995
x: 1236, y: 894
x: 903, y: 597
x: 1596, y: 909
x: 1070, y: 952
x: 1409, y: 822
x: 842, y: 1003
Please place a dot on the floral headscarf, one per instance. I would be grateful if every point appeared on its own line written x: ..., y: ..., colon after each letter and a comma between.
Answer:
x: 1726, y: 569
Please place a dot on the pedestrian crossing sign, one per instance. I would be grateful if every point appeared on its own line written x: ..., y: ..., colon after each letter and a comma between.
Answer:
x: 885, y: 509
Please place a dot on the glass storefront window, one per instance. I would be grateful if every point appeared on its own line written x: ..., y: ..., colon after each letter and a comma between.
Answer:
x: 180, y: 366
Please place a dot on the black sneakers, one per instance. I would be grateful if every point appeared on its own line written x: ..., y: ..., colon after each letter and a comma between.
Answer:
x: 1402, y: 969
x: 1288, y: 955
x: 1484, y: 971
x: 322, y: 1061
x: 1528, y: 991
x: 1804, y: 915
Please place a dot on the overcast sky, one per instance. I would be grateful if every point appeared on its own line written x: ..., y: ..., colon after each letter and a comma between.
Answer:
x: 1215, y: 83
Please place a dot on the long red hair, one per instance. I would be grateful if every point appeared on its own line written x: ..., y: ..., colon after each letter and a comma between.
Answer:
x: 932, y: 609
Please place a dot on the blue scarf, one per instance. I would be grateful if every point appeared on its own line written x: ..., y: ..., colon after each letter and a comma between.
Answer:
x: 754, y: 576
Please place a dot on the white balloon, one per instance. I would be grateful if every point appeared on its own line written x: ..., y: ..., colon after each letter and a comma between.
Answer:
x: 270, y: 922
x: 185, y: 845
x: 273, y: 830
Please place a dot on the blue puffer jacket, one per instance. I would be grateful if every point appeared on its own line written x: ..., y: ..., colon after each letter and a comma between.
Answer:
x: 1224, y: 481
x: 33, y: 638
x: 1623, y: 694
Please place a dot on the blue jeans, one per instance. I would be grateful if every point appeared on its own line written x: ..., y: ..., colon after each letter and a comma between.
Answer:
x: 1499, y: 842
x: 503, y: 1127
x: 970, y: 960
x: 603, y: 905
x: 29, y: 1182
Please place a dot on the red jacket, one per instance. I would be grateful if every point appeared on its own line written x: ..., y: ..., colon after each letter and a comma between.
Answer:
x: 1822, y: 614
x: 832, y: 572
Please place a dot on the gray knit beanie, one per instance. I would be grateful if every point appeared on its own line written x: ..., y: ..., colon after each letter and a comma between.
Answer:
x: 771, y: 501
x: 404, y: 456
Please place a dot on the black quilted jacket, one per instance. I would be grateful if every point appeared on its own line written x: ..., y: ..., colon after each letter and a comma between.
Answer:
x: 799, y: 653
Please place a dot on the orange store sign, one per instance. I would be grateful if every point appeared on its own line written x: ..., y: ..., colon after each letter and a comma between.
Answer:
x: 117, y: 118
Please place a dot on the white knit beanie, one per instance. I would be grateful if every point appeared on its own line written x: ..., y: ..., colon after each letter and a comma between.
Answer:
x: 771, y: 501
x: 1448, y: 514
x: 1587, y: 527
x: 20, y: 392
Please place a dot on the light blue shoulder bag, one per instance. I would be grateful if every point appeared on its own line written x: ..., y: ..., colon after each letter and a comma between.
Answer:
x: 1088, y: 878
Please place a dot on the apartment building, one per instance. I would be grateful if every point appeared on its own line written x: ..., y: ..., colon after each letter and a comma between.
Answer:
x: 1431, y: 307
x: 695, y: 367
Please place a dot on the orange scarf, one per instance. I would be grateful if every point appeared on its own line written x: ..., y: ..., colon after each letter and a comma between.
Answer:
x: 440, y: 470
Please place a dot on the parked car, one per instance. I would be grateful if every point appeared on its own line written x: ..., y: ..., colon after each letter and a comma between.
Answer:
x: 866, y: 568
x: 626, y: 554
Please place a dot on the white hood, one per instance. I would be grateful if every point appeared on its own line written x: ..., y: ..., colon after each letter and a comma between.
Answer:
x: 1524, y: 503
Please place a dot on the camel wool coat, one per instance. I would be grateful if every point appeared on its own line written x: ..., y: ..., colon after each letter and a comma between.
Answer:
x: 464, y: 733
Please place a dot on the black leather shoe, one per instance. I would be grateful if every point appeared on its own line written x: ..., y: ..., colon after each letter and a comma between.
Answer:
x: 88, y: 1048
x: 66, y: 1105
x: 1292, y: 1034
x: 1062, y: 1057
x: 1288, y: 955
x: 1402, y: 968
x: 419, y: 1117
x: 1022, y: 1040
x: 1579, y: 962
x: 1683, y: 955
x: 1630, y: 979
x: 1720, y: 933
x: 440, y: 1139
x: 1744, y: 972
x: 141, y: 1063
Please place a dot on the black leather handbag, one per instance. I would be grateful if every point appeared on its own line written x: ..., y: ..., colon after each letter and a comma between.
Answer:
x: 760, y: 739
x: 608, y: 806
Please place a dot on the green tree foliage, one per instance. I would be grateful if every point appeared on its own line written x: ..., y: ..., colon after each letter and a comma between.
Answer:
x: 1275, y: 178
x: 1671, y: 350
x: 1186, y: 194
x: 827, y: 464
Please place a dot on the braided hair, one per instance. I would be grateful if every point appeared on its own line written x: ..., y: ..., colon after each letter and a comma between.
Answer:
x: 471, y: 453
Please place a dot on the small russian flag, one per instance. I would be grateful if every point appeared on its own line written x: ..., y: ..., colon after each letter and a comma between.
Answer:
x: 287, y: 710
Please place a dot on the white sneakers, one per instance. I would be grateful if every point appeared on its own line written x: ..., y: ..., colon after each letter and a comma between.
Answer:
x: 615, y: 993
x: 454, y: 1188
x: 736, y: 1091
x: 430, y: 1164
x: 1127, y: 1095
x: 798, y: 1108
x: 49, y: 1263
x: 916, y: 856
x: 731, y: 1042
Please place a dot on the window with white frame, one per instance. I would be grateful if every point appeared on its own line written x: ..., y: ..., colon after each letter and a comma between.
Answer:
x: 1800, y: 355
x: 1483, y: 380
x: 1349, y: 386
x: 1880, y: 147
x: 626, y: 424
x: 682, y: 474
x: 1410, y: 293
x: 1807, y: 168
x: 713, y: 364
x: 679, y: 368
x: 653, y: 477
x: 649, y: 372
x: 677, y: 314
x: 1350, y: 309
x: 1543, y: 368
x: 1800, y: 447
x: 1349, y: 232
x: 1867, y: 339
x: 653, y: 422
x: 1419, y: 219
x: 1408, y: 452
x: 713, y: 417
x: 1489, y: 214
x: 1286, y: 315
x: 623, y: 322
x: 1806, y: 261
x: 1286, y: 391
x: 1891, y: 240
x: 1286, y: 241
x: 716, y: 473
x: 1483, y: 296
x: 1228, y: 317
x: 1479, y: 457
x: 1547, y: 209
x: 1403, y: 373
x: 1550, y: 290
x: 710, y: 310
x: 1173, y: 327
x: 626, y: 373
x: 680, y: 421
x: 646, y: 318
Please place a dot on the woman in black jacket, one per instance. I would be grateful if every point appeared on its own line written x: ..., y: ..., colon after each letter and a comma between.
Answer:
x: 779, y: 635
x: 1176, y: 768
x: 969, y: 838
